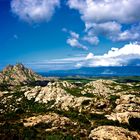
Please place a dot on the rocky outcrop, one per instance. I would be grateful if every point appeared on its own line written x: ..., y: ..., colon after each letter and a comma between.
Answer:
x: 128, y: 107
x: 18, y: 74
x: 128, y: 99
x: 56, y: 93
x: 101, y: 87
x: 1, y: 94
x: 62, y: 84
x: 113, y: 133
x: 125, y: 117
x: 54, y: 120
x: 70, y: 111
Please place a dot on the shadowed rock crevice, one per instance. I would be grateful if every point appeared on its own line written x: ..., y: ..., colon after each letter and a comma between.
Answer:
x: 134, y: 123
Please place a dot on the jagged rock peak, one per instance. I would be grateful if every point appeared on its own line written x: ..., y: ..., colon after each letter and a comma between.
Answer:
x: 20, y: 65
x: 9, y: 67
x: 18, y: 74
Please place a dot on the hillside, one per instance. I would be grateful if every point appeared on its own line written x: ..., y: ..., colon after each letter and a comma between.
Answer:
x: 18, y: 74
x: 64, y: 110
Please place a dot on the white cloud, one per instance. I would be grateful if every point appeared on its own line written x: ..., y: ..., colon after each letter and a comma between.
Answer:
x: 34, y: 10
x: 128, y: 55
x: 74, y: 35
x: 73, y: 42
x: 78, y: 65
x: 126, y: 36
x: 113, y: 31
x: 110, y: 26
x: 123, y: 11
x: 107, y: 29
x: 89, y: 56
x: 76, y: 40
x: 56, y: 64
x: 93, y: 40
x: 131, y: 34
x: 124, y: 56
x: 108, y: 17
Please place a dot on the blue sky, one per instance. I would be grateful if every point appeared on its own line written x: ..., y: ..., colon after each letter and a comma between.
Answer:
x: 66, y: 34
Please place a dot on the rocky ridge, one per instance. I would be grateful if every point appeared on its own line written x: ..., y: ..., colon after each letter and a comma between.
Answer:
x: 113, y: 133
x: 98, y: 110
x: 56, y: 93
x: 18, y: 74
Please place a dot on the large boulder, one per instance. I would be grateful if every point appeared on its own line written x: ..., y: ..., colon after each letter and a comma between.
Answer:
x: 51, y: 118
x: 113, y: 133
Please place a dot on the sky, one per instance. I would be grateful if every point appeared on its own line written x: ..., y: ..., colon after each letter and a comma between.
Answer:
x: 68, y: 34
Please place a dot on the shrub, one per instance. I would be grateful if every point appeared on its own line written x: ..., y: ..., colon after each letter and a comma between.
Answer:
x: 86, y: 102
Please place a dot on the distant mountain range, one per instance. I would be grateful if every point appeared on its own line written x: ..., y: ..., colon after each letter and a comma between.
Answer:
x: 96, y: 71
x: 18, y: 74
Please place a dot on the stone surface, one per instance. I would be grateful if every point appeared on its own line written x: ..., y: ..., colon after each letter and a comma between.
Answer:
x: 55, y: 92
x: 51, y: 119
x: 100, y: 87
x: 123, y: 117
x: 1, y: 94
x: 18, y: 74
x: 67, y: 109
x: 113, y: 133
x: 128, y: 106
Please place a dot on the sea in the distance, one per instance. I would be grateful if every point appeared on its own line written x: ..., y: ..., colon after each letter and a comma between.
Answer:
x: 96, y: 71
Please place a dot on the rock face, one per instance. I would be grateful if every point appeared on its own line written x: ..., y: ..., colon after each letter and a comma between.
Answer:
x: 56, y: 93
x: 1, y: 94
x: 127, y: 109
x: 100, y: 87
x: 98, y: 110
x: 113, y: 133
x: 18, y: 74
x: 52, y: 119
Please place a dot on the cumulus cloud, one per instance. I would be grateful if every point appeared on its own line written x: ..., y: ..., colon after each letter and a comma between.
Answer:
x: 125, y: 56
x: 113, y: 31
x: 108, y: 17
x: 74, y: 35
x: 132, y: 34
x: 93, y: 40
x: 106, y: 29
x: 76, y: 40
x: 89, y: 56
x: 123, y: 11
x: 128, y: 55
x: 34, y: 10
x: 73, y: 42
